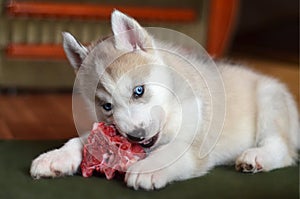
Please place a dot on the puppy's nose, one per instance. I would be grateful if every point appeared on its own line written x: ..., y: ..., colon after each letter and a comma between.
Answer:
x: 137, y: 135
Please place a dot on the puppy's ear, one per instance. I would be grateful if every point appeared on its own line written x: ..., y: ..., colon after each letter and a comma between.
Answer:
x: 74, y: 50
x: 128, y: 33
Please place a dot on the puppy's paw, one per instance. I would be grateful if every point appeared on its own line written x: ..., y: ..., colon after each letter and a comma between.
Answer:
x: 55, y: 163
x: 250, y: 161
x: 144, y: 176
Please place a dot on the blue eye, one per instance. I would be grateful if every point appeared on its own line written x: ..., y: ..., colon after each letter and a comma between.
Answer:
x: 138, y: 91
x: 107, y: 106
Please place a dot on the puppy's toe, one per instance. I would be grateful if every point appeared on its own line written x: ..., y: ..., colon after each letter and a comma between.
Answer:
x: 140, y: 176
x: 144, y: 181
x: 249, y: 161
x: 159, y: 180
x: 54, y: 164
x: 130, y: 180
x: 40, y: 167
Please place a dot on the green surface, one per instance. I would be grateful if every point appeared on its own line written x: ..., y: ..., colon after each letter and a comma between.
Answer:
x: 222, y: 182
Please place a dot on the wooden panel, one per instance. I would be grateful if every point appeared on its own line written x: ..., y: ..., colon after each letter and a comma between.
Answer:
x: 222, y: 19
x: 35, y: 51
x: 16, y: 8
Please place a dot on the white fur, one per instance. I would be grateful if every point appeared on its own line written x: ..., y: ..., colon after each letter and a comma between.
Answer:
x: 59, y: 162
x: 75, y: 51
x: 124, y: 30
x: 260, y: 132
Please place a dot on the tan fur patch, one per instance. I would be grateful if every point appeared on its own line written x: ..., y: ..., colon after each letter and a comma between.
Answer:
x: 130, y: 62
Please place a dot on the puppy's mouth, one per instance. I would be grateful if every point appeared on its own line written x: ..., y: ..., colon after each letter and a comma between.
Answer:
x: 150, y: 141
x: 146, y: 143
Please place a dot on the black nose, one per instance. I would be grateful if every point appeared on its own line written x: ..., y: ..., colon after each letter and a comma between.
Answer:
x: 136, y: 135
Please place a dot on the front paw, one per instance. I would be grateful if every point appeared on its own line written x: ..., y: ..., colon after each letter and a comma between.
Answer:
x: 250, y: 161
x: 146, y: 176
x: 55, y: 163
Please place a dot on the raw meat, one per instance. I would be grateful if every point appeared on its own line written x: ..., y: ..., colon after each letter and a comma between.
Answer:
x: 107, y: 151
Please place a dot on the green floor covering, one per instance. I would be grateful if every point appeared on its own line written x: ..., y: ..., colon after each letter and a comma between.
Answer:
x: 222, y: 182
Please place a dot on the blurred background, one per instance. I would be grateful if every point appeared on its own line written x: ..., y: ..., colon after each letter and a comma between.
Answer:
x: 36, y: 80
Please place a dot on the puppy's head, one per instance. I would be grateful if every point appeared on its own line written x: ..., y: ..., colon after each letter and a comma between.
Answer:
x: 133, y: 90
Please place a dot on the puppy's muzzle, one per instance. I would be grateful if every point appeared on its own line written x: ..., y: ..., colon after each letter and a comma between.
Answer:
x: 137, y: 135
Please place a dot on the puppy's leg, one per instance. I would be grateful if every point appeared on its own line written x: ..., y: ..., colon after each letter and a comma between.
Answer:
x: 59, y: 162
x: 277, y: 128
x: 163, y: 166
x: 271, y: 154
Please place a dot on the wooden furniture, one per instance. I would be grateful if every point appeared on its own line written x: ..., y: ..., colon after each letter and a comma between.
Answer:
x: 31, y: 55
x: 222, y: 20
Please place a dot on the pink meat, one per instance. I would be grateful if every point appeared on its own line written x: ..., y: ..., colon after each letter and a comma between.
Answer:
x: 107, y: 151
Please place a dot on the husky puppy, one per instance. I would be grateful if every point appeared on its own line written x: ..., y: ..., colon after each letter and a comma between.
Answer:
x: 260, y: 130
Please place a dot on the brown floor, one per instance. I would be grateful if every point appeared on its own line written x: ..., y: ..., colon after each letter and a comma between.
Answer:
x: 36, y: 116
x: 49, y: 116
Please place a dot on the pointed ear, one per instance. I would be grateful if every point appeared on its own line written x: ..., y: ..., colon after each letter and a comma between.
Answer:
x: 128, y: 32
x: 74, y: 50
